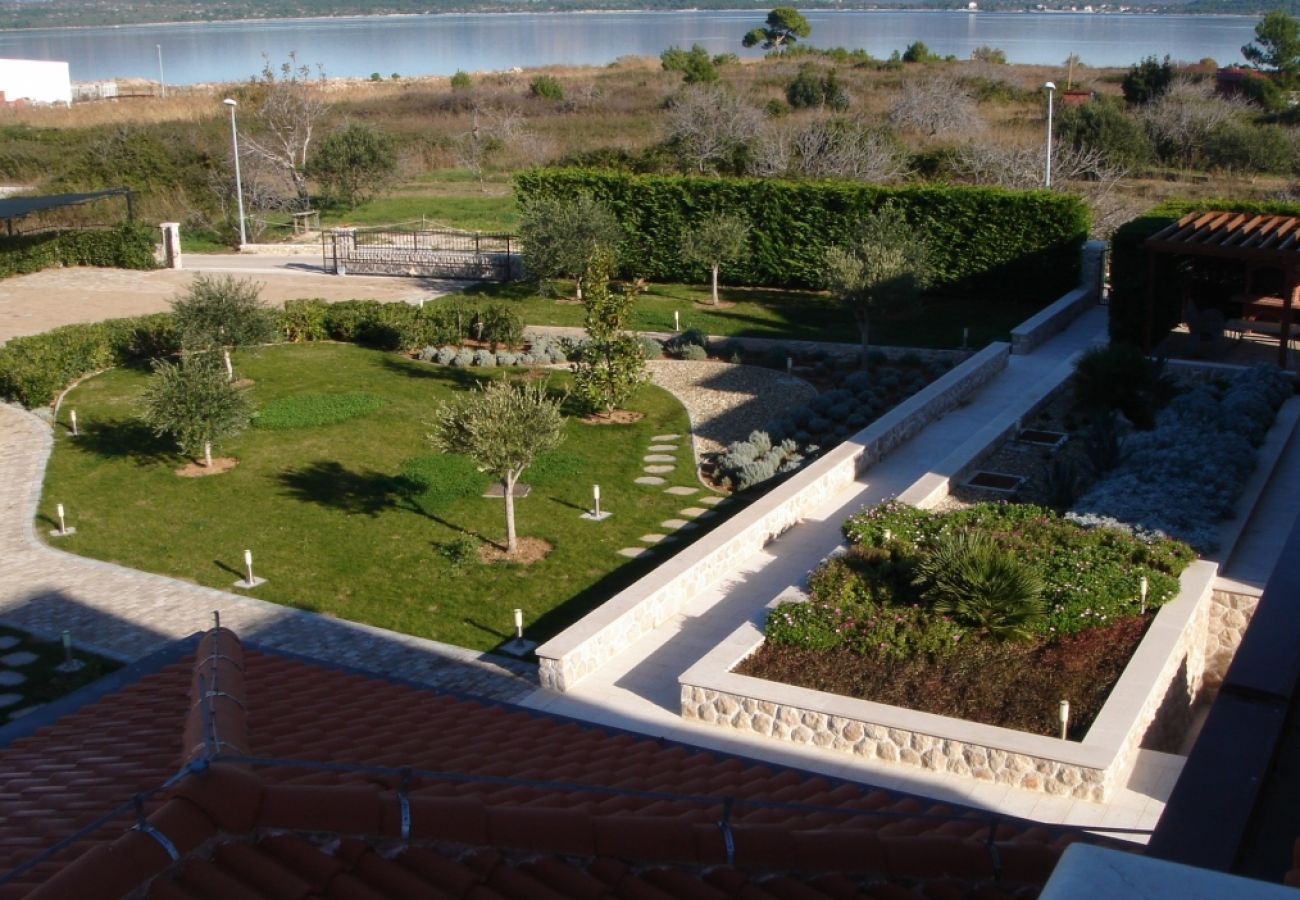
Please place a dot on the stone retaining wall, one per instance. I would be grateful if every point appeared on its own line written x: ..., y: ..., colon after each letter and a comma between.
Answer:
x: 636, y: 611
x: 1230, y: 613
x: 1162, y: 678
x: 1054, y: 319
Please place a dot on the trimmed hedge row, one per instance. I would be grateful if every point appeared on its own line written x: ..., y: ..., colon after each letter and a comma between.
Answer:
x: 1146, y: 295
x: 128, y: 247
x: 1021, y: 245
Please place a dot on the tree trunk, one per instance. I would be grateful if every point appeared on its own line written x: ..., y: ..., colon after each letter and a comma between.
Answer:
x: 230, y: 369
x: 512, y: 542
x: 865, y: 332
x: 715, y: 284
x: 207, y: 454
x: 577, y: 286
x: 300, y: 184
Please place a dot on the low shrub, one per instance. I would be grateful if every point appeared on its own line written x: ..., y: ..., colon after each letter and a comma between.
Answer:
x: 314, y: 410
x: 651, y: 347
x: 127, y: 247
x: 693, y: 352
x: 303, y: 320
x: 981, y: 585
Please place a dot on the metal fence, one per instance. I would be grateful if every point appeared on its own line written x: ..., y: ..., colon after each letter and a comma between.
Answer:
x: 434, y: 253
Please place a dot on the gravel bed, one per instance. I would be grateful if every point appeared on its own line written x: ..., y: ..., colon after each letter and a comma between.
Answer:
x: 726, y: 401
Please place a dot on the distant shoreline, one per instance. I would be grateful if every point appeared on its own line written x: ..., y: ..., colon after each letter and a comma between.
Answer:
x: 1167, y: 12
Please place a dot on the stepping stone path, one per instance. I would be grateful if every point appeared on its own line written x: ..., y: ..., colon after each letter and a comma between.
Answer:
x: 21, y: 658
x: 9, y: 678
x: 658, y: 458
x: 8, y: 642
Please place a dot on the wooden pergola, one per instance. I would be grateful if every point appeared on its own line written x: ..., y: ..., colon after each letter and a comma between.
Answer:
x: 1261, y: 242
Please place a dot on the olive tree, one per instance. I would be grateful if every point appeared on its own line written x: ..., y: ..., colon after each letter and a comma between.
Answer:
x: 560, y: 235
x: 717, y: 239
x: 502, y: 427
x: 354, y: 164
x: 222, y: 313
x: 192, y: 402
x: 610, y: 365
x: 883, y: 270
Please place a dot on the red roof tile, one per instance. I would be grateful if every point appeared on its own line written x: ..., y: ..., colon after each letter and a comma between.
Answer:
x: 482, y: 776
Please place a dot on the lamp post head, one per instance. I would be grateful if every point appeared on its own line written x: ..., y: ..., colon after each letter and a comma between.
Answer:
x: 229, y: 102
x: 1049, y: 86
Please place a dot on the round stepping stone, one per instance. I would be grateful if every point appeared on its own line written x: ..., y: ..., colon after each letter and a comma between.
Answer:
x: 663, y: 448
x: 649, y: 479
x: 11, y: 679
x: 712, y: 500
x: 665, y: 437
x: 634, y: 552
x: 659, y: 470
x: 692, y: 511
x: 21, y: 658
x: 673, y: 523
x: 659, y: 458
x: 683, y: 491
x: 7, y: 700
x: 654, y: 538
x: 8, y: 642
x: 708, y: 514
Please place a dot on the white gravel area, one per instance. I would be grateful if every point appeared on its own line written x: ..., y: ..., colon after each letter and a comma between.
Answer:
x: 726, y: 401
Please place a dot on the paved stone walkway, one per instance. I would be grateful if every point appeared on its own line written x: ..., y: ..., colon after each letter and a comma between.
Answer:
x: 127, y: 614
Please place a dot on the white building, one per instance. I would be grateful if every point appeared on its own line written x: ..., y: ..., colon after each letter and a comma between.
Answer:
x: 35, y: 80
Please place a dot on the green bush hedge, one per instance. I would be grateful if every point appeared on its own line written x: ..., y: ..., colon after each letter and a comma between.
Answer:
x: 34, y: 369
x: 128, y: 247
x: 992, y: 242
x: 1146, y: 295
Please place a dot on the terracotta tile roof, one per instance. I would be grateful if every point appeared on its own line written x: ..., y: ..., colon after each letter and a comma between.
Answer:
x: 307, y: 781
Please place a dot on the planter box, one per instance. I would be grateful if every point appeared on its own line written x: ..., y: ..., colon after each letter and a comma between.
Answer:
x: 1159, y: 682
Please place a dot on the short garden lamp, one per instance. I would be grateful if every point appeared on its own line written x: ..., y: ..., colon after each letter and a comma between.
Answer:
x: 69, y: 664
x: 519, y: 646
x: 249, y: 580
x: 595, y: 514
x: 63, y: 530
x: 1143, y: 587
x: 1065, y: 717
x: 72, y: 414
x: 1050, y: 88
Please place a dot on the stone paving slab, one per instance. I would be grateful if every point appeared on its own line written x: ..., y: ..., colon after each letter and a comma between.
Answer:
x: 646, y: 538
x: 673, y: 523
x: 634, y: 552
x: 682, y: 491
x: 650, y: 479
x: 713, y: 500
x: 20, y: 658
x: 659, y: 458
x: 127, y: 614
x: 10, y: 678
x: 693, y: 512
x: 665, y: 437
x: 659, y: 470
x: 7, y: 700
x: 8, y: 642
x: 662, y: 448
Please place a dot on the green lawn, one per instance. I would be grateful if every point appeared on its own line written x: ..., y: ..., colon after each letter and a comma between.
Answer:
x: 449, y: 198
x: 333, y: 524
x: 772, y: 313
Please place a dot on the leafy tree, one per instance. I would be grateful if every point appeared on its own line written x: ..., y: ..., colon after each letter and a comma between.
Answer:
x: 1147, y: 80
x: 884, y: 270
x: 918, y: 52
x: 709, y: 127
x: 193, y: 402
x: 695, y: 64
x: 610, y: 365
x: 717, y: 239
x: 560, y: 235
x: 460, y: 81
x: 354, y: 164
x: 987, y: 54
x: 501, y: 427
x: 547, y: 87
x: 1276, y: 47
x: 220, y: 312
x: 784, y: 26
x: 813, y: 88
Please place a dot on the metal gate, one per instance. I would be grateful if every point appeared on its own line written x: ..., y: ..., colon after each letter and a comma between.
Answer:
x: 469, y: 255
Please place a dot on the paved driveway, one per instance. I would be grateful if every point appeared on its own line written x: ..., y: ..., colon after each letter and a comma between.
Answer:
x: 30, y: 304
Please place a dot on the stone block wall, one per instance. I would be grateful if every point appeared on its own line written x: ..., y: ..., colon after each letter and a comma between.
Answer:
x: 639, y: 609
x: 1229, y: 615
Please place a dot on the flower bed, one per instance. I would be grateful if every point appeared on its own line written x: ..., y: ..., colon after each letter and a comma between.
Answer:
x: 1053, y: 614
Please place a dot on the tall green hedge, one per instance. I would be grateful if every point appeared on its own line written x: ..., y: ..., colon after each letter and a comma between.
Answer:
x: 1146, y: 294
x: 127, y: 247
x: 1021, y: 245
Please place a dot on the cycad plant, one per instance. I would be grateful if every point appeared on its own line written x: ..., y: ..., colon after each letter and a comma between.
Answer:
x: 983, y: 586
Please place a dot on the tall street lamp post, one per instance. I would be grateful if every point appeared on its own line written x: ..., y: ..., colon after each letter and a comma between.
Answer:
x: 1050, y: 88
x: 162, y: 84
x: 239, y: 184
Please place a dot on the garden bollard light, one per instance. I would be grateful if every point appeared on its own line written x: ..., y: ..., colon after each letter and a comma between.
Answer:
x: 248, y: 564
x: 73, y: 414
x: 965, y: 338
x: 595, y: 493
x: 1142, y: 592
x: 789, y: 365
x: 63, y: 526
x: 677, y: 321
x: 1065, y: 717
x: 519, y: 625
x: 67, y: 648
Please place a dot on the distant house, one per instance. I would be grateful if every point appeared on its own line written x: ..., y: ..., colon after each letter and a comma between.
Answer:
x: 35, y: 81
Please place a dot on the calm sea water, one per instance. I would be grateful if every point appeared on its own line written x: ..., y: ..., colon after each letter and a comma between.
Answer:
x: 422, y: 45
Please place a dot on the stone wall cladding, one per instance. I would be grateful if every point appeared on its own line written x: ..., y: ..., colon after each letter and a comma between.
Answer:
x: 1153, y: 697
x: 1053, y: 319
x: 1229, y: 615
x: 581, y: 649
